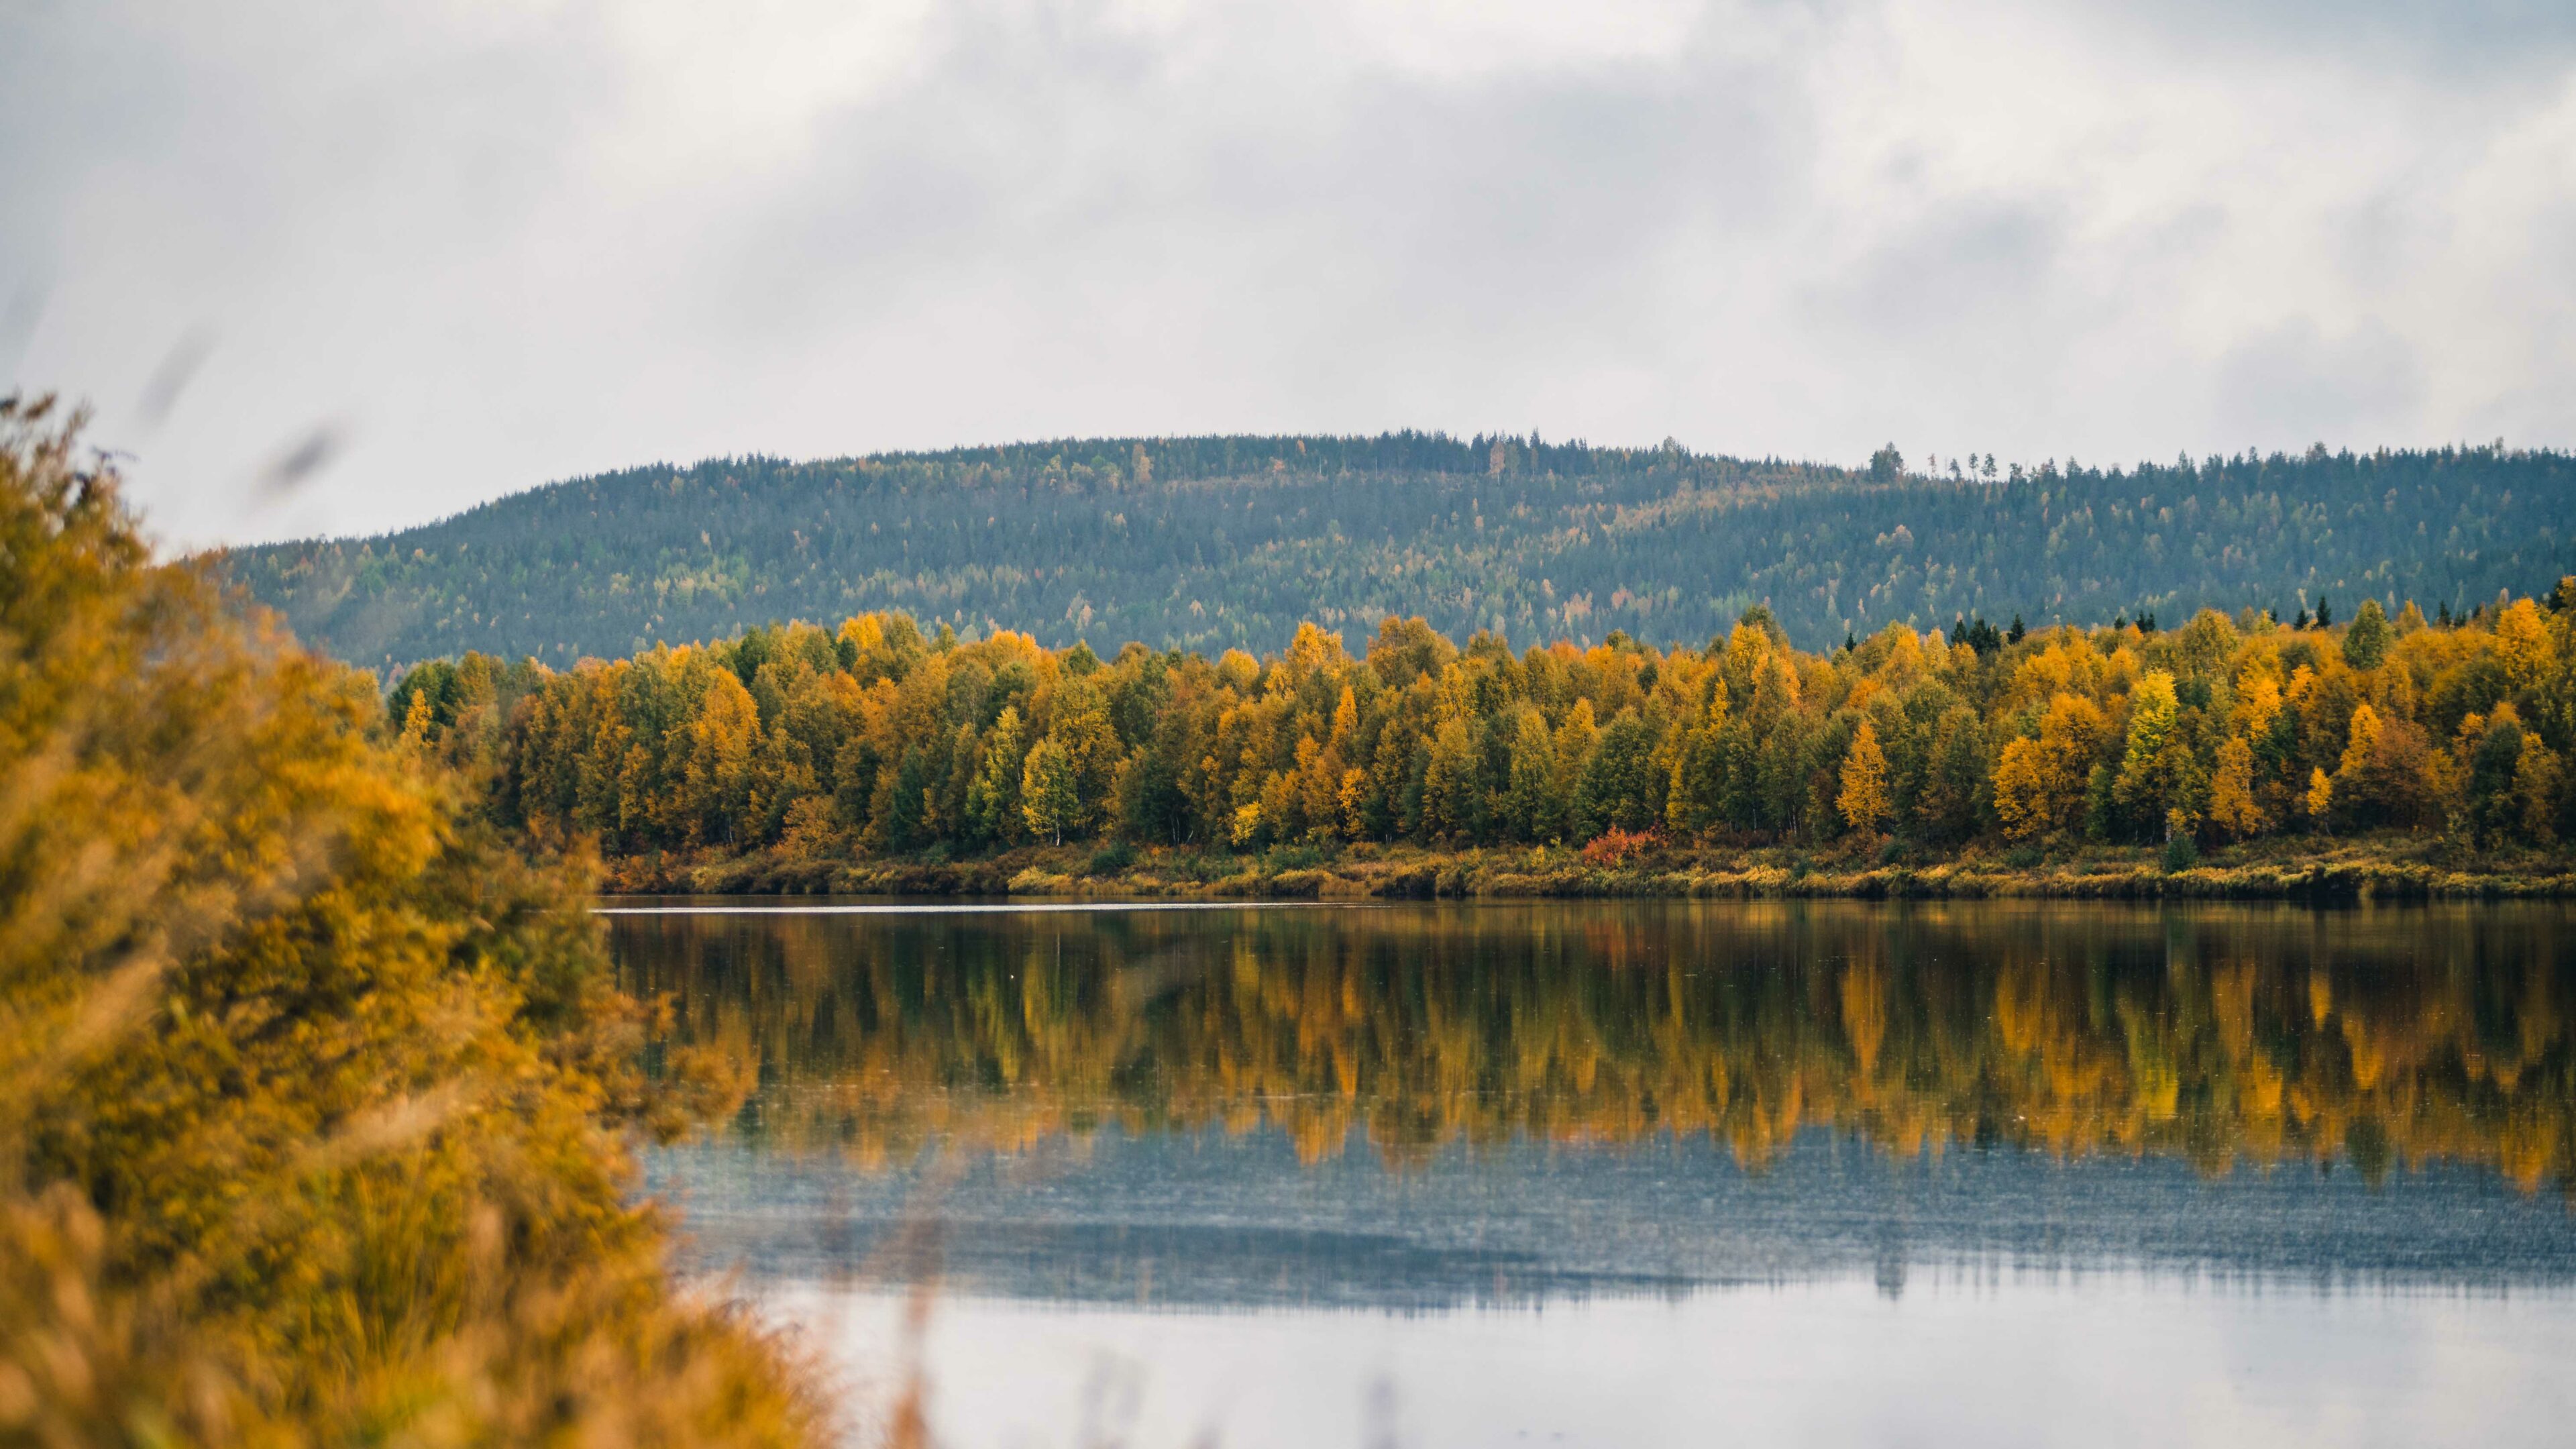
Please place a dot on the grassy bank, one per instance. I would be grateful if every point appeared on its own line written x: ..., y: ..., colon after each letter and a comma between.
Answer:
x: 2386, y: 867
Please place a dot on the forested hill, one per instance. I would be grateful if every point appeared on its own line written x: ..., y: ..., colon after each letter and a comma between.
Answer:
x: 1208, y: 543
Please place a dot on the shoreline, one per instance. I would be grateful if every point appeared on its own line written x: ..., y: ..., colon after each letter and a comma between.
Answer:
x: 2399, y: 868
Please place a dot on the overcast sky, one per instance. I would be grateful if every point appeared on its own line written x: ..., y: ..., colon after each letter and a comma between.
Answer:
x: 345, y: 266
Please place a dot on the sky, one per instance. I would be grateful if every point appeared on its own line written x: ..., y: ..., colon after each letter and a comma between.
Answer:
x: 344, y: 267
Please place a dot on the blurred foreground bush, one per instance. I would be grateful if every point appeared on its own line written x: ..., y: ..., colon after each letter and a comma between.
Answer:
x: 314, y: 1098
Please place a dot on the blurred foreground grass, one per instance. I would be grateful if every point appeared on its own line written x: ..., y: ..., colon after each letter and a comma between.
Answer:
x: 315, y: 1098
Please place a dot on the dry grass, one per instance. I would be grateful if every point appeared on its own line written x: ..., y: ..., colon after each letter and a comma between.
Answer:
x: 2386, y: 866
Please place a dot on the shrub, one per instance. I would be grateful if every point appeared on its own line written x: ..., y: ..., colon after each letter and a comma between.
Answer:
x: 1110, y: 859
x: 1291, y: 857
x: 313, y: 1097
x: 1615, y: 848
x: 1206, y: 867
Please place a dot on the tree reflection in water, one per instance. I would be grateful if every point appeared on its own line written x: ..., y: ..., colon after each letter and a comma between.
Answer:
x: 2384, y: 1037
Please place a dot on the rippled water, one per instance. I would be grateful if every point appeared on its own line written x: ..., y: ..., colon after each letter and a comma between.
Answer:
x: 1629, y: 1173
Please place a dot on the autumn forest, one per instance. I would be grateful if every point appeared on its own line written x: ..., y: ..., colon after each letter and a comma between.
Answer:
x: 876, y: 738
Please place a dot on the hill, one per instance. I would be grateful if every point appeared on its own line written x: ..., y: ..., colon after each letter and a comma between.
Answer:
x: 1209, y: 543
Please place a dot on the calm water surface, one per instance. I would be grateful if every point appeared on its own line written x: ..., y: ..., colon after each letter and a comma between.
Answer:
x: 1625, y: 1174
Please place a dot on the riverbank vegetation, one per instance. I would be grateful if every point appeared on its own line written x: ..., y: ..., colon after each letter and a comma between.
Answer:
x: 314, y: 1097
x: 2379, y: 867
x: 2425, y: 754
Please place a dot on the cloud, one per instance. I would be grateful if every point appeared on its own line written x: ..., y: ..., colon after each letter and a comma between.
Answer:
x: 2482, y: 37
x: 2295, y: 382
x: 519, y: 242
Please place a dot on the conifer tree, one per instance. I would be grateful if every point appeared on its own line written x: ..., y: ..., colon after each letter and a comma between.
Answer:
x: 2366, y: 642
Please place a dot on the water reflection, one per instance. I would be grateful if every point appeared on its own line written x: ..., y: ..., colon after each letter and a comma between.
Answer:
x: 1825, y: 1174
x: 2220, y: 1038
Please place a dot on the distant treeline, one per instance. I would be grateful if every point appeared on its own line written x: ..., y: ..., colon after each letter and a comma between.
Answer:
x: 1212, y: 543
x: 877, y: 738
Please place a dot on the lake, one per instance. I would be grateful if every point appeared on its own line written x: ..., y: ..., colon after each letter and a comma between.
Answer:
x: 1634, y: 1173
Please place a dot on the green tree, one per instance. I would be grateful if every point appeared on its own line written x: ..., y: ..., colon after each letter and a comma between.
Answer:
x: 1618, y: 786
x: 1953, y: 804
x: 901, y: 815
x: 2101, y: 804
x: 1530, y: 802
x: 2366, y: 642
x: 2159, y: 773
x: 1698, y: 796
x: 1051, y: 791
x: 1081, y: 728
x: 1578, y: 737
x: 993, y: 801
x: 1453, y: 797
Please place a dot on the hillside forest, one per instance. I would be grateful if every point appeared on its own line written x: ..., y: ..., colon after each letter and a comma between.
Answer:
x: 1218, y: 543
x: 878, y: 738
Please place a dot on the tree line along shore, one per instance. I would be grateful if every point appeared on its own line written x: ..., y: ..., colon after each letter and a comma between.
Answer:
x: 2376, y: 756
